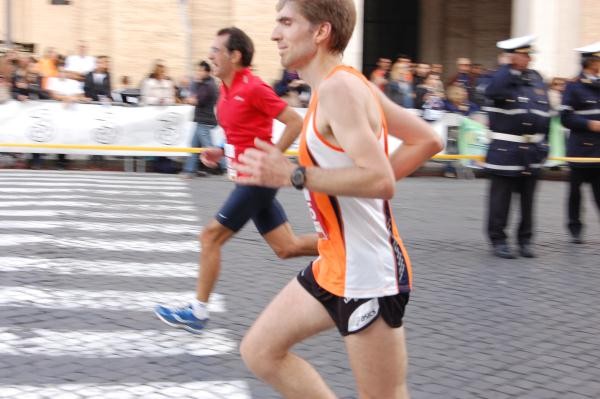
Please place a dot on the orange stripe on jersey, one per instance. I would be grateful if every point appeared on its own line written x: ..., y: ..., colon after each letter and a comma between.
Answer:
x: 327, y: 223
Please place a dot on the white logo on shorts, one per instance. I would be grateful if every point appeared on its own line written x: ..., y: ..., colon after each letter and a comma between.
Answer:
x: 363, y: 315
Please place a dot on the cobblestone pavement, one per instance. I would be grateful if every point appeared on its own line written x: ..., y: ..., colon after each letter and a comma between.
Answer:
x: 85, y: 255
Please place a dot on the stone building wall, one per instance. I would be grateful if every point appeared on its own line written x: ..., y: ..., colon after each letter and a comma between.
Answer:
x: 136, y: 32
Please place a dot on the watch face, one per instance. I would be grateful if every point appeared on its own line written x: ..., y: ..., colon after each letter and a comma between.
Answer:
x: 298, y: 178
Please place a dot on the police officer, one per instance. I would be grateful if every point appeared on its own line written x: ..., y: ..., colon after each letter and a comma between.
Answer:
x: 580, y: 112
x: 519, y: 119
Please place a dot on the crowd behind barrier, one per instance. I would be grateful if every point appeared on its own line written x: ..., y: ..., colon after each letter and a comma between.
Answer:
x: 98, y: 127
x: 84, y: 85
x: 81, y: 81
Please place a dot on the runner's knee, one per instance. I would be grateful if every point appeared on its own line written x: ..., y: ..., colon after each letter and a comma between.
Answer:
x: 285, y: 252
x: 259, y: 358
x: 212, y: 235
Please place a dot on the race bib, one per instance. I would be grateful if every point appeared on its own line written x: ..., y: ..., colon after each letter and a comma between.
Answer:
x: 229, y: 151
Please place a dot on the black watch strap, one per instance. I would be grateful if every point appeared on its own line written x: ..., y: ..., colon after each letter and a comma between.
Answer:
x: 298, y: 177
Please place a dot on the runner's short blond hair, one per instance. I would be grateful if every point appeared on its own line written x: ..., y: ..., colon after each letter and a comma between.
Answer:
x: 341, y: 14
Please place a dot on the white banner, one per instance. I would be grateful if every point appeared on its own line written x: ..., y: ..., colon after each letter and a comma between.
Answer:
x: 49, y: 122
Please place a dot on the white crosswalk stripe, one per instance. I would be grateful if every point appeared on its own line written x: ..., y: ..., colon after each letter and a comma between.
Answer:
x: 101, y: 244
x: 25, y: 174
x: 52, y: 197
x: 67, y: 213
x: 96, y: 215
x: 47, y: 298
x: 101, y: 227
x: 160, y: 390
x: 86, y: 267
x: 115, y: 344
x: 44, y: 181
x: 131, y: 192
x: 94, y: 205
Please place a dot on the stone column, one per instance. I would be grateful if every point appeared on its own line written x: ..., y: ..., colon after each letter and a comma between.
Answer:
x: 556, y: 23
x: 431, y: 26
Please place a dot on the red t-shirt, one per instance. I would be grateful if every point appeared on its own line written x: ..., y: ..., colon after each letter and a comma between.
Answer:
x: 246, y: 110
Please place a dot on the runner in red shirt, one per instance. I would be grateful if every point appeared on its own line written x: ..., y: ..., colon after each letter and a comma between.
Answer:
x: 246, y: 109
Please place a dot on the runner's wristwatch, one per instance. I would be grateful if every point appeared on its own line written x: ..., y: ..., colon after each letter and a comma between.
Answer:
x: 298, y: 177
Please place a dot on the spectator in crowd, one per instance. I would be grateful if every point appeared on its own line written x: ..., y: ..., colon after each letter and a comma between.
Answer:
x: 437, y: 69
x: 398, y: 89
x: 463, y: 73
x: 457, y: 101
x: 4, y: 86
x: 80, y: 64
x: 380, y: 75
x: 97, y: 84
x: 581, y: 113
x: 555, y: 92
x: 97, y: 87
x: 63, y: 88
x: 48, y: 65
x: 183, y: 90
x: 422, y: 71
x: 125, y: 83
x: 429, y: 98
x: 292, y: 89
x: 29, y: 86
x: 126, y: 93
x: 477, y: 70
x: 407, y: 61
x: 205, y: 95
x: 19, y: 65
x: 158, y: 89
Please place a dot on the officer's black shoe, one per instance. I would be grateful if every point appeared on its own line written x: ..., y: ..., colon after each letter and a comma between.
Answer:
x: 502, y: 250
x: 526, y: 252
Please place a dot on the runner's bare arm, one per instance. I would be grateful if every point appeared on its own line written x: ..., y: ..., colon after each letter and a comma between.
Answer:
x: 371, y: 176
x: 419, y: 140
x: 293, y: 126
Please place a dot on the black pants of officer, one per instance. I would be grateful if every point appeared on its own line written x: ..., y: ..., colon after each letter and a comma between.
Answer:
x: 577, y: 177
x: 501, y: 189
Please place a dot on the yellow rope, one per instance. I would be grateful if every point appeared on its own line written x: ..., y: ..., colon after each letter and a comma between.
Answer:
x: 199, y: 150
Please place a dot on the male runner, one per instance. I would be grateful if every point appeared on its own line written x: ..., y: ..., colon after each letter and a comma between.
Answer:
x: 361, y: 280
x: 246, y: 109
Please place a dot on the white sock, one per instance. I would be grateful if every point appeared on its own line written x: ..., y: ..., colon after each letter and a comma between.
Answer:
x: 200, y: 309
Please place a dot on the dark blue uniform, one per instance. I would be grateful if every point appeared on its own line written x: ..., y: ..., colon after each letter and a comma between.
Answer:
x: 519, y: 118
x: 581, y: 103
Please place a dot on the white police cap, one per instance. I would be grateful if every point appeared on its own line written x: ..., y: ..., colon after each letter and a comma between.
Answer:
x: 520, y: 44
x: 591, y: 50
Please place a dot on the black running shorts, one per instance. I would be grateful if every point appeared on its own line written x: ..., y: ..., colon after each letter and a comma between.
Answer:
x: 352, y: 315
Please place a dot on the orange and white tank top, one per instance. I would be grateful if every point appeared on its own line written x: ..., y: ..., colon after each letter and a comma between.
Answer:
x: 361, y: 254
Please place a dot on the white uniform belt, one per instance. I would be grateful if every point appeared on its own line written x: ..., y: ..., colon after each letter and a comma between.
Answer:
x: 525, y: 138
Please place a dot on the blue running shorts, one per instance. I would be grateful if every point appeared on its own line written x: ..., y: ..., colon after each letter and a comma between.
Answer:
x: 252, y: 202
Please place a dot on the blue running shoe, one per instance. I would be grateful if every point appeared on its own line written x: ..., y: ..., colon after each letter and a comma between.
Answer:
x: 181, y: 318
